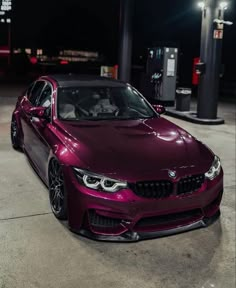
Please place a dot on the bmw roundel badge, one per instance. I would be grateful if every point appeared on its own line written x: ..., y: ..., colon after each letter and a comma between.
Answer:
x: 172, y: 174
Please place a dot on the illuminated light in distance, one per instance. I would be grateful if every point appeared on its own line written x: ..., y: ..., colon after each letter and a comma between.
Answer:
x: 64, y: 62
x: 201, y: 4
x: 4, y: 51
x: 224, y: 5
x: 33, y: 60
x: 28, y: 51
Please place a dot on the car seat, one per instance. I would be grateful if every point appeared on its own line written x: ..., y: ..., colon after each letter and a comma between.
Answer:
x: 67, y: 111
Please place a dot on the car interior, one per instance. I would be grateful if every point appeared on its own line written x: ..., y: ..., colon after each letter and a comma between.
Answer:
x: 95, y: 103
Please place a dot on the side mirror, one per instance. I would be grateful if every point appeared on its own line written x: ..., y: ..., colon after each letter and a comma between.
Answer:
x: 159, y: 109
x: 39, y: 112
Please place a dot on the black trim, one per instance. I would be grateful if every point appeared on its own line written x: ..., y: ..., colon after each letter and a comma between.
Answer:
x: 153, y: 189
x: 169, y: 218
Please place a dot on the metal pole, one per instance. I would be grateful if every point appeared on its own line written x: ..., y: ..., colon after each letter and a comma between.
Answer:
x: 211, y: 50
x: 9, y: 44
x: 125, y: 51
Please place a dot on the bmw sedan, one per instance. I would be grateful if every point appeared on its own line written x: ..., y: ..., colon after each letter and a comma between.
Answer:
x: 114, y: 167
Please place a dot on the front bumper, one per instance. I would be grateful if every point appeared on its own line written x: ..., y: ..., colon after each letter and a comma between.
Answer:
x: 126, y: 217
x: 138, y: 236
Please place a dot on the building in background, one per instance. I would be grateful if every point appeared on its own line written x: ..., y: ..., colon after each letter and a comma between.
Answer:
x: 63, y: 56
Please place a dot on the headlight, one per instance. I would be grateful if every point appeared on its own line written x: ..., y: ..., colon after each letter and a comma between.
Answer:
x: 214, y: 170
x: 98, y: 182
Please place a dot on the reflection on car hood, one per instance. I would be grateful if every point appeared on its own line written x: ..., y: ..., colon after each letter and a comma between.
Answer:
x: 137, y: 149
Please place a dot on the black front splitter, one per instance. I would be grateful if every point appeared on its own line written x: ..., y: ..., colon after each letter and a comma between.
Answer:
x: 138, y: 236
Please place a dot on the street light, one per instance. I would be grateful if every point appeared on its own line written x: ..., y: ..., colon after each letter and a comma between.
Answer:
x: 202, y: 5
x: 224, y: 5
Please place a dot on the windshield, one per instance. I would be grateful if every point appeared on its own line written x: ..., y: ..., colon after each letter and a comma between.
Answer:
x: 102, y: 103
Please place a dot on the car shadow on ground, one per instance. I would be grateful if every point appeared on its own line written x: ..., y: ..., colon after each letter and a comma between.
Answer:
x: 179, y: 255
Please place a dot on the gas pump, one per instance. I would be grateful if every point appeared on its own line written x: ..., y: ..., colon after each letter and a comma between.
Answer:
x: 156, y: 80
x: 162, y: 72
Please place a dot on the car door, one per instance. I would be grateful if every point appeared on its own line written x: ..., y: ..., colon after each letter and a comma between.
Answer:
x: 27, y: 103
x: 41, y: 128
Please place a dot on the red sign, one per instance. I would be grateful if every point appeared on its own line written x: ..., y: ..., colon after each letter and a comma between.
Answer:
x: 218, y: 34
x: 195, y: 76
x: 115, y: 72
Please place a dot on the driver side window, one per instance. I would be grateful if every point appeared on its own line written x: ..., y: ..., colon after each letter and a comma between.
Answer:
x: 45, y: 97
x: 35, y: 92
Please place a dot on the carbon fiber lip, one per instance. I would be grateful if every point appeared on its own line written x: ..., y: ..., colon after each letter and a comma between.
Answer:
x: 135, y: 237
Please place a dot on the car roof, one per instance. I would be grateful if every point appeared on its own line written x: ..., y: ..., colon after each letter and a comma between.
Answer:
x: 74, y: 80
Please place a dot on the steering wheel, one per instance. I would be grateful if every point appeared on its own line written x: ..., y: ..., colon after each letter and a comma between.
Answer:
x: 80, y: 112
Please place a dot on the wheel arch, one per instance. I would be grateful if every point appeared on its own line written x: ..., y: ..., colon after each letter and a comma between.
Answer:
x: 16, y: 116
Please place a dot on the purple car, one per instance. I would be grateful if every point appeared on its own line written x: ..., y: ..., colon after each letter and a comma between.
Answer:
x: 114, y: 167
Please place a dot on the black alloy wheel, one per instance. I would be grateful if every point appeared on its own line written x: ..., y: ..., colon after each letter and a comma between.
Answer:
x: 57, y: 193
x: 15, y: 134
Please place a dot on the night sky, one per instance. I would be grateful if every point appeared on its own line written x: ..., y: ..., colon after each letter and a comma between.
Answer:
x: 94, y: 25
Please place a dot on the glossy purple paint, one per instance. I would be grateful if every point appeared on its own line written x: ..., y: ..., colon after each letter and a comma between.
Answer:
x: 137, y: 150
x: 160, y: 109
x: 38, y: 112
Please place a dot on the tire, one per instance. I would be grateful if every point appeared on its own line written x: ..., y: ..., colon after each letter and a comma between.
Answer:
x: 15, y: 134
x: 57, y: 192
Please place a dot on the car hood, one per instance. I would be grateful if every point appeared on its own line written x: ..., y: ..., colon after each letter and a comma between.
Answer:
x: 138, y: 149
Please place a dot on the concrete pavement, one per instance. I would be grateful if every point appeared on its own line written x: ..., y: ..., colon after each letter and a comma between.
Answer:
x: 36, y: 250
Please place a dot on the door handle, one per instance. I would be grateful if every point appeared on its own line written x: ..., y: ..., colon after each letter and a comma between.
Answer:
x: 34, y: 119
